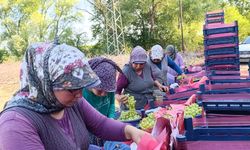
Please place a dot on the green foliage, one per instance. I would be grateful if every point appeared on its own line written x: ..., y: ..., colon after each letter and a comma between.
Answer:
x: 97, y: 49
x: 3, y: 55
x: 145, y: 22
x: 243, y: 6
x: 148, y: 22
x: 25, y: 21
x: 232, y: 14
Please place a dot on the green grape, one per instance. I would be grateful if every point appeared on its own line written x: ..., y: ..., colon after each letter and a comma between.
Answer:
x: 192, y: 110
x: 131, y: 114
x: 148, y: 122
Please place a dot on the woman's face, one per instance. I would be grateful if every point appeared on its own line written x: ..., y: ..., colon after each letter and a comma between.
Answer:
x: 169, y: 53
x: 156, y: 60
x: 68, y: 97
x: 138, y: 66
x: 99, y: 92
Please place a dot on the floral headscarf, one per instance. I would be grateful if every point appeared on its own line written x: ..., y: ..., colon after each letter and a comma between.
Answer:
x: 156, y: 52
x: 47, y: 67
x: 105, y: 69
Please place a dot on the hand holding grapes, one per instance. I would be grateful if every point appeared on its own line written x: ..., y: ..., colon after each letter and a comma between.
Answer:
x: 121, y: 98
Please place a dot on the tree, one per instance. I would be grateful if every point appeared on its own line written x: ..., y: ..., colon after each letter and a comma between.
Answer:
x: 26, y: 21
x: 243, y: 6
x: 149, y: 22
x: 233, y: 14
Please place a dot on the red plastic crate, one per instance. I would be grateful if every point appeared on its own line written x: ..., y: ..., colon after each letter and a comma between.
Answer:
x: 216, y: 13
x: 217, y: 28
x: 214, y: 20
x: 221, y: 49
x: 231, y: 56
x: 211, y: 47
x: 224, y: 67
x: 223, y: 38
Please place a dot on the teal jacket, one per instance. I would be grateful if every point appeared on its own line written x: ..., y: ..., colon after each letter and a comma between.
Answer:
x: 104, y: 104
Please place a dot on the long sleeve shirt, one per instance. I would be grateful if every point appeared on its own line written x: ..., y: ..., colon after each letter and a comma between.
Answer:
x: 104, y: 104
x: 17, y: 132
x: 180, y: 64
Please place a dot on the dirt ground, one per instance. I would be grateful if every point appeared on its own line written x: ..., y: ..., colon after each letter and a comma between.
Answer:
x: 9, y: 74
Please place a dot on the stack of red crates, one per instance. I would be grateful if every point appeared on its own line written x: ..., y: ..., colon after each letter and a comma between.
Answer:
x: 214, y: 17
x: 221, y: 43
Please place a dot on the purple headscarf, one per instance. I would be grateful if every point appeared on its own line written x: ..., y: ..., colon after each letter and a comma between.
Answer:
x: 106, y: 71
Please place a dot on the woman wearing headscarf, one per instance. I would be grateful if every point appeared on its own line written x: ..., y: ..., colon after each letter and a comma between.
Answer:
x: 137, y: 80
x: 171, y: 51
x: 49, y: 112
x: 102, y: 97
x: 160, y: 63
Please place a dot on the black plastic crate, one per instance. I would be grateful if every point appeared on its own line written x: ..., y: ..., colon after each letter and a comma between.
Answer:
x: 223, y: 73
x: 231, y: 56
x: 212, y: 62
x: 214, y: 20
x: 224, y: 38
x: 218, y: 28
x: 217, y: 13
x: 221, y: 49
x: 215, y: 133
x: 235, y: 67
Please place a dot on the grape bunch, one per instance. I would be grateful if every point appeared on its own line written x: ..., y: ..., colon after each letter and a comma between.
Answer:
x: 131, y: 114
x: 148, y: 122
x: 192, y: 111
x: 131, y: 102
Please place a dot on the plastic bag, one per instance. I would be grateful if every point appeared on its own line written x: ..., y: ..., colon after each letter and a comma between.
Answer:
x: 111, y: 145
x: 160, y: 138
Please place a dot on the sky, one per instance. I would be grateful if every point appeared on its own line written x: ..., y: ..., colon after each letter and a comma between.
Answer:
x: 85, y: 24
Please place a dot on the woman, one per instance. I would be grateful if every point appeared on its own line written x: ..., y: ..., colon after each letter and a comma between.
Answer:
x: 48, y: 112
x: 177, y: 58
x: 137, y: 80
x: 102, y: 97
x: 160, y: 64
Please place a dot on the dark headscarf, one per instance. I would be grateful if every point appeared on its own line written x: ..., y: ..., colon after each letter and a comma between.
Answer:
x: 106, y: 71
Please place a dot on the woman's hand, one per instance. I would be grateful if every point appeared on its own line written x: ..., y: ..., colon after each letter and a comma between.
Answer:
x: 160, y: 86
x: 164, y: 88
x: 121, y: 98
x: 134, y: 134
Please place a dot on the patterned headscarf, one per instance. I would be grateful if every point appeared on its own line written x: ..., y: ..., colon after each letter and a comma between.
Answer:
x: 172, y: 51
x: 138, y: 55
x: 47, y: 67
x: 156, y: 52
x: 106, y: 71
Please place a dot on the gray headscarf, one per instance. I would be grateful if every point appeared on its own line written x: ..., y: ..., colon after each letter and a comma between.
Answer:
x: 172, y: 51
x: 138, y: 55
x: 46, y: 67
